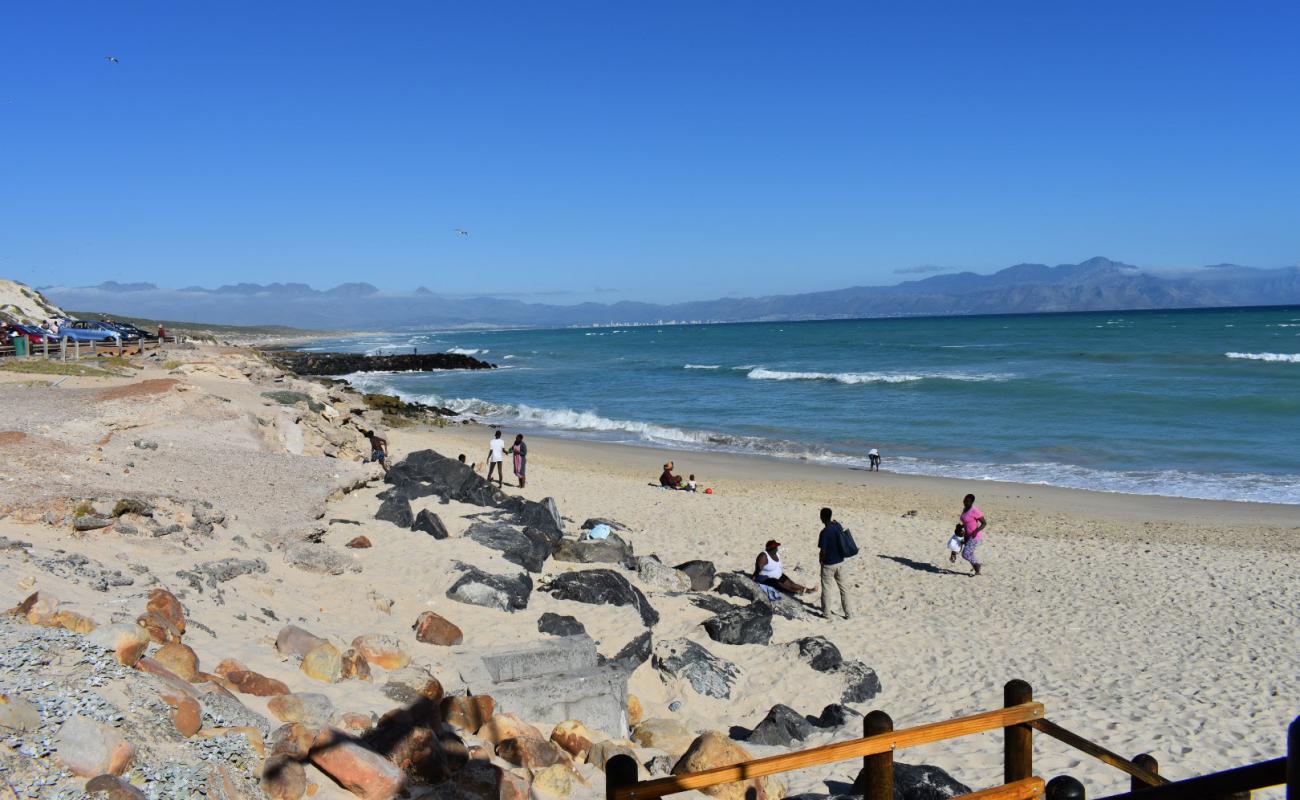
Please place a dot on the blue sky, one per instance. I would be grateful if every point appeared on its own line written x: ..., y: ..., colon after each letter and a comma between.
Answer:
x: 657, y: 150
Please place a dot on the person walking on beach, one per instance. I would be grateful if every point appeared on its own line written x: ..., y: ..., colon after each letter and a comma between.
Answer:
x: 520, y: 452
x: 496, y: 459
x: 873, y: 455
x: 973, y: 522
x: 378, y: 449
x: 835, y: 546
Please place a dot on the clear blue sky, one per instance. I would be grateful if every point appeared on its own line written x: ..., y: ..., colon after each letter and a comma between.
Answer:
x: 652, y: 150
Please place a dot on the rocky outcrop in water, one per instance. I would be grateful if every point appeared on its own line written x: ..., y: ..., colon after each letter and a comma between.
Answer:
x: 348, y: 363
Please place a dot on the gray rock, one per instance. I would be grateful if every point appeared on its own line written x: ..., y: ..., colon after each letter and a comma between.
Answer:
x: 17, y: 714
x: 708, y: 674
x: 750, y: 624
x: 479, y: 588
x: 594, y: 521
x: 424, y: 473
x: 91, y: 522
x: 782, y: 727
x: 655, y: 573
x: 701, y: 573
x: 319, y: 558
x: 713, y: 603
x: 661, y: 766
x: 559, y: 625
x: 227, y: 569
x: 428, y: 522
x: 634, y: 653
x: 860, y: 682
x: 920, y: 782
x: 834, y: 716
x: 821, y: 653
x: 544, y: 515
x: 613, y: 550
x: 601, y: 587
x: 528, y: 548
x: 146, y: 444
x: 396, y: 509
x: 736, y: 584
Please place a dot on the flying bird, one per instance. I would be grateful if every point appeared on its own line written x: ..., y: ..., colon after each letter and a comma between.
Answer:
x: 461, y: 231
x: 112, y: 59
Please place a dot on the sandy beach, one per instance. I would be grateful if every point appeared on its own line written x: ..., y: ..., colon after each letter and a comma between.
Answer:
x: 1146, y: 624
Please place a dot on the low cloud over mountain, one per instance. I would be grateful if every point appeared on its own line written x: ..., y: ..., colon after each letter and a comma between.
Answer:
x: 1094, y: 285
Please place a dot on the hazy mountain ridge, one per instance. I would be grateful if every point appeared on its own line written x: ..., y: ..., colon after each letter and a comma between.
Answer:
x: 1097, y: 284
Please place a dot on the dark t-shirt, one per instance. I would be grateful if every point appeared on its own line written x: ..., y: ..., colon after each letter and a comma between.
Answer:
x: 829, y: 542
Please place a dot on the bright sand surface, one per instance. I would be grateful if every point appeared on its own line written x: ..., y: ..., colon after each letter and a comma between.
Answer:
x: 1146, y: 624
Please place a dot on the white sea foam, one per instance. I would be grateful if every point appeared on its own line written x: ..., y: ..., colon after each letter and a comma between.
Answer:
x: 467, y: 351
x: 702, y: 366
x: 761, y: 374
x: 1289, y: 358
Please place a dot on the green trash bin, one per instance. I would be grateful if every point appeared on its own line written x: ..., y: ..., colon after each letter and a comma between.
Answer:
x: 20, y: 346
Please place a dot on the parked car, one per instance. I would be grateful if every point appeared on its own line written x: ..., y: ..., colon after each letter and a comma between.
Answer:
x: 34, y: 334
x: 129, y: 331
x: 88, y: 330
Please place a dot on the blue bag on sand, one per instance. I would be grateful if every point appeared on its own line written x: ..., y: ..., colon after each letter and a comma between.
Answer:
x: 600, y: 531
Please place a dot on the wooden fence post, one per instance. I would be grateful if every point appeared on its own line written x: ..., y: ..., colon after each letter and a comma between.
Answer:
x: 93, y: 345
x: 1147, y: 762
x: 876, y: 781
x: 1063, y: 787
x: 45, y: 347
x: 620, y: 773
x: 1018, y: 740
x: 1293, y: 760
x: 76, y: 349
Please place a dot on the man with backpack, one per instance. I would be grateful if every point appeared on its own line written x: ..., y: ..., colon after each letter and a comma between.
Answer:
x: 835, y: 545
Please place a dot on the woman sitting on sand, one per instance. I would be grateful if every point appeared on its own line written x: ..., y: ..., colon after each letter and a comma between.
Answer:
x: 668, y: 479
x: 769, y: 572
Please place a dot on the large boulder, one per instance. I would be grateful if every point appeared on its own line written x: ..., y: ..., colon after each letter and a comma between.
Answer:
x: 612, y: 550
x: 543, y: 515
x: 659, y: 575
x: 668, y: 735
x: 701, y: 573
x: 751, y: 624
x: 633, y: 654
x: 707, y: 674
x: 920, y: 782
x: 355, y: 767
x: 560, y: 625
x: 601, y: 587
x: 396, y: 509
x: 428, y: 522
x: 479, y: 588
x: 88, y: 748
x: 424, y: 473
x: 860, y: 682
x: 714, y: 749
x: 782, y: 727
x: 528, y: 548
x: 821, y: 653
x: 738, y: 584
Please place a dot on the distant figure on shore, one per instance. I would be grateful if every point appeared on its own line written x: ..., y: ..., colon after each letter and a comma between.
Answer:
x: 461, y: 459
x: 496, y: 459
x: 378, y: 449
x: 769, y: 572
x: 835, y: 545
x: 873, y: 455
x: 690, y: 484
x: 668, y: 479
x: 973, y: 522
x: 520, y: 452
x: 162, y: 333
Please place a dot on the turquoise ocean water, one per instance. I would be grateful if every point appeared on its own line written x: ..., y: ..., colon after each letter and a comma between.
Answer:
x: 1186, y: 403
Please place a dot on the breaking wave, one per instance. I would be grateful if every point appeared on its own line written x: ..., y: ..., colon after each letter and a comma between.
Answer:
x: 1288, y: 358
x: 761, y: 374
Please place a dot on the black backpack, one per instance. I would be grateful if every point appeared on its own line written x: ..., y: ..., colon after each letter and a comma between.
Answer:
x: 847, y: 545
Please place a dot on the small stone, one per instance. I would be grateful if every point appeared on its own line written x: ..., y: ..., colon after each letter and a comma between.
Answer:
x: 309, y: 708
x: 431, y: 628
x: 557, y: 780
x: 323, y: 662
x: 72, y: 621
x: 293, y: 740
x: 189, y: 717
x: 18, y: 714
x: 159, y: 628
x: 531, y: 753
x: 667, y: 735
x: 559, y: 625
x: 165, y: 604
x: 229, y: 665
x: 179, y: 658
x: 468, y: 712
x: 87, y: 748
x: 355, y: 666
x: 256, y: 684
x: 128, y: 641
x: 358, y: 543
x: 356, y: 721
x: 294, y: 641
x: 91, y: 522
x: 39, y: 608
x: 283, y: 778
x: 507, y: 726
x: 363, y: 772
x: 574, y: 737
x: 111, y: 787
x: 382, y: 651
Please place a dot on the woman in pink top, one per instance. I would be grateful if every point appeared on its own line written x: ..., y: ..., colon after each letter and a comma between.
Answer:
x: 974, y: 522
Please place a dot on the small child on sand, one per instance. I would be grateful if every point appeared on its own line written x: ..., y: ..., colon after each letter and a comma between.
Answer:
x: 690, y: 484
x: 956, y: 543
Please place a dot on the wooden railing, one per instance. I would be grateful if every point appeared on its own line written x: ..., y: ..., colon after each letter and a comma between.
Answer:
x: 1019, y: 717
x: 74, y: 350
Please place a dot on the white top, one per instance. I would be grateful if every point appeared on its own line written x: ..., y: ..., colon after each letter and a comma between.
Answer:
x: 772, y: 569
x: 498, y: 447
x: 873, y: 452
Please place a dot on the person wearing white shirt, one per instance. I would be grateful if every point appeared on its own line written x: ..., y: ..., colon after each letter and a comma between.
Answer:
x: 496, y: 458
x: 873, y: 455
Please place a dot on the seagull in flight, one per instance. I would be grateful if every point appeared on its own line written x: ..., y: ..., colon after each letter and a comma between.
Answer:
x: 112, y: 59
x: 461, y: 231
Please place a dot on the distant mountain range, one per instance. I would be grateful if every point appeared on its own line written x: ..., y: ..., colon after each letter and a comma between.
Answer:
x: 1097, y: 284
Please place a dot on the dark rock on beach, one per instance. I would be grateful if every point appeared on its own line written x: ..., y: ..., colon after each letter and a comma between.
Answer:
x: 750, y: 624
x: 701, y: 573
x: 397, y: 510
x: 613, y: 550
x: 594, y: 521
x: 543, y: 515
x: 528, y: 548
x: 428, y: 522
x: 919, y: 782
x: 425, y: 473
x: 479, y: 588
x: 821, y: 653
x: 782, y: 727
x: 834, y: 716
x: 634, y: 653
x: 560, y: 625
x: 738, y: 584
x: 712, y: 603
x: 860, y: 682
x: 601, y: 587
x: 348, y: 363
x: 708, y: 674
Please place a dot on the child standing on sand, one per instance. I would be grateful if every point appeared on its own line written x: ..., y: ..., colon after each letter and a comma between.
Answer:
x: 690, y: 484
